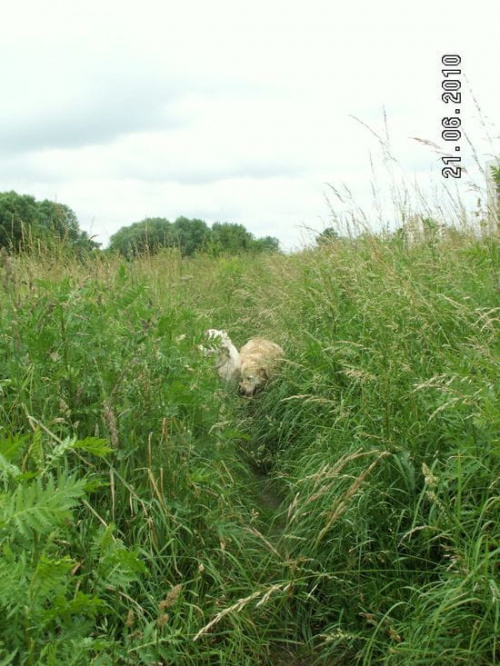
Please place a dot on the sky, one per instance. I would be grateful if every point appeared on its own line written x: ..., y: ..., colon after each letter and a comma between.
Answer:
x: 281, y: 115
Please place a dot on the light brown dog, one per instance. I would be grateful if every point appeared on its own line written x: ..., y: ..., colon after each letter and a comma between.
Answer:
x: 258, y: 359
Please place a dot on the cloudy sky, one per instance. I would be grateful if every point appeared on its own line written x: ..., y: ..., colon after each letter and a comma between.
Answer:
x: 239, y: 111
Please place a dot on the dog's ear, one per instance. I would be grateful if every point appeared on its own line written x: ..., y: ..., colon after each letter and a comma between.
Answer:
x: 263, y: 374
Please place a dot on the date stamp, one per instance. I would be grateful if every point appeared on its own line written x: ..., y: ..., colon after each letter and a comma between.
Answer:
x: 451, y: 124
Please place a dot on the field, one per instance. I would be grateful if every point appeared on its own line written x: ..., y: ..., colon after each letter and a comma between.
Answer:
x: 348, y: 514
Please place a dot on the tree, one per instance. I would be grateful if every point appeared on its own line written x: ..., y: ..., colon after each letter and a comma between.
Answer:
x: 266, y: 244
x: 154, y: 233
x: 24, y: 222
x: 231, y: 238
x: 17, y: 218
x: 149, y: 236
x: 328, y: 235
x: 58, y: 220
x: 190, y: 235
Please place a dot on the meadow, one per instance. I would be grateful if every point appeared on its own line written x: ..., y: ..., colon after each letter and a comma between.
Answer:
x: 348, y: 514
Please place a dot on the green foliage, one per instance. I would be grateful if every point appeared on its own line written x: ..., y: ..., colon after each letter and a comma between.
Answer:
x: 189, y: 236
x: 147, y: 236
x: 347, y: 514
x: 158, y: 499
x: 230, y: 238
x: 383, y: 435
x: 26, y: 223
x: 38, y: 508
x: 17, y: 215
x: 266, y: 244
x: 327, y: 236
x: 39, y: 593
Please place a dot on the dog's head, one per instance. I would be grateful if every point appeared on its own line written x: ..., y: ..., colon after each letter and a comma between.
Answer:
x: 252, y: 379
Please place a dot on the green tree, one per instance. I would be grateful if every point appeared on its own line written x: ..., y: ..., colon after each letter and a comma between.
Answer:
x: 154, y: 233
x: 149, y: 235
x: 231, y: 238
x: 24, y: 222
x: 328, y: 235
x: 266, y: 244
x: 191, y: 235
x: 58, y: 220
x: 17, y: 219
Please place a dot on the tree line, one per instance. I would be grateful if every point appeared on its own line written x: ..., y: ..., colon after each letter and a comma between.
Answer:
x: 26, y: 223
x: 189, y: 236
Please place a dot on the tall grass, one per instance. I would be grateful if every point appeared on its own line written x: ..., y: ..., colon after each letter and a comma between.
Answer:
x: 383, y: 435
x: 348, y: 514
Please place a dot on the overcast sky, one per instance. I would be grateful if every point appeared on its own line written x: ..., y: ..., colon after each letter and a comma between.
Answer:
x: 237, y: 111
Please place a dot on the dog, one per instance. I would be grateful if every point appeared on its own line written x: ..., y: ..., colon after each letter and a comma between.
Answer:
x: 258, y: 360
x: 227, y: 357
